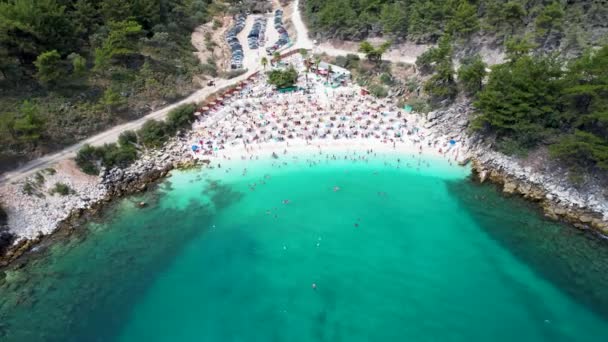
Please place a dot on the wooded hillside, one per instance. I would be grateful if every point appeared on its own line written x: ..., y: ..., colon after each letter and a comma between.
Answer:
x: 69, y: 68
x: 553, y: 23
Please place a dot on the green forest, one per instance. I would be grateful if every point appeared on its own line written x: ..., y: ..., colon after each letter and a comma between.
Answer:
x: 552, y: 22
x: 542, y: 100
x: 69, y: 68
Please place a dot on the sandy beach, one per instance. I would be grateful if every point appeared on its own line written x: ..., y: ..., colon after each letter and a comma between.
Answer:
x: 255, y: 121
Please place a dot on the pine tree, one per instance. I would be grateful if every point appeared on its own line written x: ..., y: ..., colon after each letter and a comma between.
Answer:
x: 50, y: 67
x: 471, y: 74
x: 465, y: 21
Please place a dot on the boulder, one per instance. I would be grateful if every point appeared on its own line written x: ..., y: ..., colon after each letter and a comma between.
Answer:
x: 483, y: 175
x: 509, y: 187
x: 432, y: 115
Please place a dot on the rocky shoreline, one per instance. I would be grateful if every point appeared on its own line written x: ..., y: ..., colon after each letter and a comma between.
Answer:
x: 72, y: 211
x: 557, y: 202
x: 54, y: 215
x: 547, y: 186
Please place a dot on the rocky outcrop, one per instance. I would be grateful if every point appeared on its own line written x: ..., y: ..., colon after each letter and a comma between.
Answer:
x: 69, y: 212
x: 558, y: 204
x: 549, y: 187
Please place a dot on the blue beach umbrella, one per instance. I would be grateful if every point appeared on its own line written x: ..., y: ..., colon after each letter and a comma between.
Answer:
x: 194, y: 147
x: 452, y: 142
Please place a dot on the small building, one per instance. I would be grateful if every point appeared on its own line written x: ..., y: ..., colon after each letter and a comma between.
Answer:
x: 339, y: 75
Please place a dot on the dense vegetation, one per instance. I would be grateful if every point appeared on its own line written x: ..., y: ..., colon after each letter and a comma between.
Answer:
x: 283, y: 78
x: 69, y: 68
x: 152, y: 134
x: 533, y: 100
x: 552, y: 22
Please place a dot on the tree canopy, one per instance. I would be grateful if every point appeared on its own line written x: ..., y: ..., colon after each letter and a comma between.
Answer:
x: 283, y: 78
x: 373, y: 53
x: 471, y: 74
x: 541, y: 99
x: 427, y: 20
x: 93, y: 63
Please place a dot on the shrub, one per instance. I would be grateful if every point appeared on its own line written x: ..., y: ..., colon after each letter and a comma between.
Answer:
x: 32, y: 189
x: 209, y: 69
x: 419, y: 105
x: 39, y: 177
x: 412, y: 84
x: 153, y: 133
x: 387, y: 79
x: 350, y: 61
x: 127, y: 138
x: 181, y: 116
x: 87, y: 159
x: 340, y: 61
x: 378, y: 90
x: 471, y: 74
x: 283, y: 78
x: 441, y: 86
x: 61, y: 189
x: 114, y: 155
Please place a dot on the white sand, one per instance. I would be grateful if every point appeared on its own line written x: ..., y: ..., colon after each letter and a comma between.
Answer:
x: 303, y: 147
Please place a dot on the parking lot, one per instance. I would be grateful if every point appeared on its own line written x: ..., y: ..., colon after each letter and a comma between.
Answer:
x: 236, y: 48
x: 252, y: 37
x: 283, y: 38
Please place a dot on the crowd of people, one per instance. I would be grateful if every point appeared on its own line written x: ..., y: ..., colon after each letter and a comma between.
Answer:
x: 258, y: 114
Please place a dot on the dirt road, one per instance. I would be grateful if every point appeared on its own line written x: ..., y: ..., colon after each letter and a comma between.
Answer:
x: 112, y: 134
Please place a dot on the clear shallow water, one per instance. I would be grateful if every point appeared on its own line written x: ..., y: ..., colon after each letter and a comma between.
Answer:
x: 396, y: 254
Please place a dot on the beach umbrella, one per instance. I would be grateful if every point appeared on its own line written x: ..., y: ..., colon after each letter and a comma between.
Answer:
x: 452, y: 142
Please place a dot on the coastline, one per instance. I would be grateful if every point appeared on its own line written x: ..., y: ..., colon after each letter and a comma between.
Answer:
x: 547, y: 186
x: 557, y: 204
x: 154, y: 166
x: 440, y: 134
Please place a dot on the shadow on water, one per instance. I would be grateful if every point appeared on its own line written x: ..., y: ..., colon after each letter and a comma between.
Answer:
x: 221, y: 195
x: 571, y: 259
x: 89, y: 282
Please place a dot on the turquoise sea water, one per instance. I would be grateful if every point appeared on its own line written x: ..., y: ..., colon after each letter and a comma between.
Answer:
x: 414, y: 253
